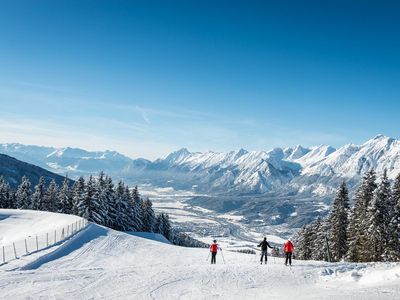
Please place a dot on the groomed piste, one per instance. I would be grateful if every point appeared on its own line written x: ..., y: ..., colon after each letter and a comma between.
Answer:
x: 100, y: 263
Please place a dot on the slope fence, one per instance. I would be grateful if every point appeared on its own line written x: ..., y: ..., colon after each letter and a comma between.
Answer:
x: 35, y: 243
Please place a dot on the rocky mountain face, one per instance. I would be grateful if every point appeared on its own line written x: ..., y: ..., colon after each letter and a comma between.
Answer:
x: 12, y: 170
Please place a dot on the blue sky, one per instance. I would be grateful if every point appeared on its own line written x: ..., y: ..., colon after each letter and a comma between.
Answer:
x: 149, y: 77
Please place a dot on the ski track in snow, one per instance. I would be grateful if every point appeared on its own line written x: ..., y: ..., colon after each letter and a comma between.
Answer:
x: 101, y: 263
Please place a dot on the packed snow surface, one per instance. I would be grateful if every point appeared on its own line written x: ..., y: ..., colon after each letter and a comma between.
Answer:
x: 100, y: 263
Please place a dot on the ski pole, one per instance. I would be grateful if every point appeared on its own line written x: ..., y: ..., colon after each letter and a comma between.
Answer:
x: 223, y: 257
x: 208, y: 256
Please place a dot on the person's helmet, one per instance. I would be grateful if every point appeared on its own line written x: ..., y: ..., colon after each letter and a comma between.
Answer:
x: 265, y: 238
x: 215, y: 241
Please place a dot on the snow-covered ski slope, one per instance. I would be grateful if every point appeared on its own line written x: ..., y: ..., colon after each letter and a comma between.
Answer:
x: 19, y: 224
x: 100, y: 263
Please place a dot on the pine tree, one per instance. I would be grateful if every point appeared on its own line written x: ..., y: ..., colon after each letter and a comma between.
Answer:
x: 148, y: 216
x: 23, y: 194
x: 167, y: 232
x: 103, y: 198
x: 135, y: 194
x: 377, y: 213
x: 65, y: 201
x: 338, y: 223
x: 392, y: 252
x: 89, y: 206
x: 50, y: 197
x: 358, y: 241
x: 38, y: 195
x: 5, y: 194
x: 318, y: 235
x: 136, y: 205
x: 303, y: 240
x: 162, y: 225
x: 129, y: 212
x: 158, y: 224
x: 78, y: 194
x: 121, y: 207
x: 97, y: 209
x: 109, y: 197
x: 11, y: 200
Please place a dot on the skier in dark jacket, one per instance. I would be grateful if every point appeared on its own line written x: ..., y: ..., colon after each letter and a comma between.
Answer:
x: 264, y: 249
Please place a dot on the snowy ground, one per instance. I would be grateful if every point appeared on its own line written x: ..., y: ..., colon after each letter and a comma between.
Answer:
x: 99, y: 263
x: 204, y: 224
x: 16, y: 225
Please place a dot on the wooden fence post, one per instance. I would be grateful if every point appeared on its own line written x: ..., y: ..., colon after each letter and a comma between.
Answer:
x: 37, y: 244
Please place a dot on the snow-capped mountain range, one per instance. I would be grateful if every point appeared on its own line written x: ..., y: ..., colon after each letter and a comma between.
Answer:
x: 296, y: 170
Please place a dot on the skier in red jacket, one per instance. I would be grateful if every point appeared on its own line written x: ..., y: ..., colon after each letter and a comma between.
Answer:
x: 288, y: 249
x: 214, y: 249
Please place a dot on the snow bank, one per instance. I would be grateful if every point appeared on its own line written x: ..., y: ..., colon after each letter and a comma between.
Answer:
x: 16, y: 224
x: 88, y: 234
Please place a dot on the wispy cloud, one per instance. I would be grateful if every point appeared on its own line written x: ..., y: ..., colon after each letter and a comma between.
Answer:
x: 144, y: 114
x: 174, y: 113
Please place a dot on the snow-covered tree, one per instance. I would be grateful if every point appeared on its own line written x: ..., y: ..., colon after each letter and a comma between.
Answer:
x: 303, y: 242
x: 148, y: 216
x: 23, y: 194
x: 101, y: 187
x: 109, y: 197
x: 129, y: 212
x: 50, y: 197
x: 136, y: 206
x: 78, y: 194
x: 5, y: 194
x: 121, y: 207
x: 158, y: 224
x: 167, y: 231
x: 319, y: 230
x: 89, y: 207
x: 65, y: 201
x: 38, y: 195
x: 182, y: 239
x: 377, y: 214
x: 11, y: 200
x: 135, y: 195
x: 392, y: 250
x: 359, y: 246
x: 338, y: 223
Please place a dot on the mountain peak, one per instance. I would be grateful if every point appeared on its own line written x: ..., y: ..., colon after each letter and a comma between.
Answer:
x: 380, y: 137
x: 241, y: 151
x: 299, y: 151
x: 182, y: 151
x: 178, y: 155
x: 379, y: 140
